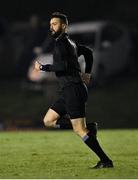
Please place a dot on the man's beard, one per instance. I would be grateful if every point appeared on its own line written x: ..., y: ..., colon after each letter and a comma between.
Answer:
x: 56, y: 34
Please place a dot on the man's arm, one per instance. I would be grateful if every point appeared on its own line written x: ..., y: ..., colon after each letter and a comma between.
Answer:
x: 59, y: 64
x: 88, y: 56
x: 49, y: 67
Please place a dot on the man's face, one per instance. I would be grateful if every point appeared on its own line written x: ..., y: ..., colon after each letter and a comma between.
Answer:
x: 56, y: 27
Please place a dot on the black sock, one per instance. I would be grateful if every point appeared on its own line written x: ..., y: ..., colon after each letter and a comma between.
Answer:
x: 93, y: 144
x: 63, y: 126
x: 64, y: 122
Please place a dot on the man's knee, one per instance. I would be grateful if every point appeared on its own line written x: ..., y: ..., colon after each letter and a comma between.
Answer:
x: 50, y: 118
x: 48, y: 122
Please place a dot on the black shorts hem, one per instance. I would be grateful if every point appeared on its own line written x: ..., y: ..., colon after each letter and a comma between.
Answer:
x: 76, y: 116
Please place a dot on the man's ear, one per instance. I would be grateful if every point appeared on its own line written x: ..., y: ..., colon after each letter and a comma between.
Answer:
x: 64, y: 26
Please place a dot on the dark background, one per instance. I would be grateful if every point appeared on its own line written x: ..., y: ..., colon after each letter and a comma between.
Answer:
x: 77, y: 10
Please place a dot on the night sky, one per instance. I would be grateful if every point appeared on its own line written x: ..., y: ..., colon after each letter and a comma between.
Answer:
x: 77, y: 10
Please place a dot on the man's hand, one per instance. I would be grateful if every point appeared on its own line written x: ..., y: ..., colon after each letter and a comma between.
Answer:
x: 86, y: 78
x: 37, y: 66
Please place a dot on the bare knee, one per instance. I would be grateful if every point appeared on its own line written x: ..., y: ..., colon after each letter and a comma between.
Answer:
x: 50, y: 118
x: 48, y: 122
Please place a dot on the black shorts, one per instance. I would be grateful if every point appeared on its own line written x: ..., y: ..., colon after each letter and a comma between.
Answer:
x: 72, y: 101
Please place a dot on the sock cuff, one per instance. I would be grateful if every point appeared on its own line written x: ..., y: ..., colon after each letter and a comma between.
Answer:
x: 84, y: 138
x: 57, y: 126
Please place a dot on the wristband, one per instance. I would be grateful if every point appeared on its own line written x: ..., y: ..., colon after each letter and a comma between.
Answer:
x: 41, y: 67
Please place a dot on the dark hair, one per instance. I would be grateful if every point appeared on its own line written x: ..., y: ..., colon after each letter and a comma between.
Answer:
x: 61, y: 16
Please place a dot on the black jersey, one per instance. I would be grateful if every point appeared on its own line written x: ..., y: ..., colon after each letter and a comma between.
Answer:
x: 65, y: 60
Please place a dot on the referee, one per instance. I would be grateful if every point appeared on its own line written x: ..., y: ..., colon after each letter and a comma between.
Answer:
x: 73, y: 91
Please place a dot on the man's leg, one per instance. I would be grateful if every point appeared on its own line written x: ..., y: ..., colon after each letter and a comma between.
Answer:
x: 65, y: 123
x: 56, y: 112
x: 51, y: 118
x: 79, y: 127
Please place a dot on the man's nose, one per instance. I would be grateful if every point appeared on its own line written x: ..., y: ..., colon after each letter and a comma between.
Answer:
x: 51, y: 28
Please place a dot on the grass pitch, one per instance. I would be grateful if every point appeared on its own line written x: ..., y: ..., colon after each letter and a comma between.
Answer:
x: 62, y: 154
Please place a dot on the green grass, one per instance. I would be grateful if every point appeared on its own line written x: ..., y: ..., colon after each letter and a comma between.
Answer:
x: 62, y: 154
